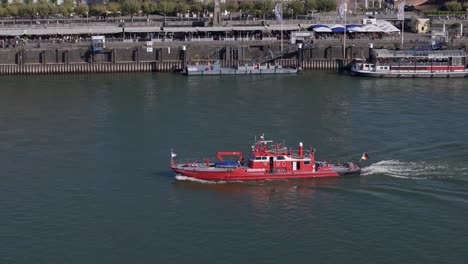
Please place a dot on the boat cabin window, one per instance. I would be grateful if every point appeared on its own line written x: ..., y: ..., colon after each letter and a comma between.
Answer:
x: 258, y: 158
x: 306, y: 162
x: 280, y: 158
x: 264, y: 158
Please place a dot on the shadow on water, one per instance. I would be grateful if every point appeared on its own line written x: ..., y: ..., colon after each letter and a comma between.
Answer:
x: 298, y: 185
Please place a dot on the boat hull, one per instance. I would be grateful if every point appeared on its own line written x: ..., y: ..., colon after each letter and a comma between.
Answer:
x: 409, y: 74
x: 242, y: 72
x: 247, y: 174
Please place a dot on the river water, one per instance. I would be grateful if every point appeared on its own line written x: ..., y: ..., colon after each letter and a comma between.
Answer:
x: 85, y: 172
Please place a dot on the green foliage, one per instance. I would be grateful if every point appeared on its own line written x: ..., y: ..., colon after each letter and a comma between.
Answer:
x: 149, y: 7
x: 297, y: 6
x: 230, y: 7
x: 114, y: 8
x: 209, y: 6
x: 30, y: 9
x: 81, y: 9
x: 182, y: 7
x: 326, y: 5
x: 131, y: 7
x: 452, y: 6
x: 310, y: 5
x: 66, y: 8
x: 98, y: 10
x: 15, y: 9
x: 196, y: 7
x: 166, y: 7
x: 45, y: 8
x: 3, y: 11
x: 263, y: 7
x: 246, y: 7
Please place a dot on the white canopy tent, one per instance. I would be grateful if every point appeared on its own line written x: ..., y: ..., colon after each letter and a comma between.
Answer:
x: 372, y: 28
x: 386, y: 26
x: 355, y: 28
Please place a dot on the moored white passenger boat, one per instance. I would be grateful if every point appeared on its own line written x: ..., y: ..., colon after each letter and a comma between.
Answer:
x: 412, y: 64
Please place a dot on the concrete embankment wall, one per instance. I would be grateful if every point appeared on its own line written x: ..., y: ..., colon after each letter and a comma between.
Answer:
x: 165, y: 66
x: 165, y: 58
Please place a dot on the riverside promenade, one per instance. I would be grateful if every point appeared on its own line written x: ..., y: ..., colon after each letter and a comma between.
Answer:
x: 46, y: 47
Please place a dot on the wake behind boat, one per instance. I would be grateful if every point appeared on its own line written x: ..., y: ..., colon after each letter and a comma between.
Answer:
x: 266, y: 161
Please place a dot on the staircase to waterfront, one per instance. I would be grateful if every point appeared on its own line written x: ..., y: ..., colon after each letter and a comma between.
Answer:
x: 291, y: 49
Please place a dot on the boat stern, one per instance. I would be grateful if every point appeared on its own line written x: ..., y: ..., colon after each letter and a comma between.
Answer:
x: 347, y: 169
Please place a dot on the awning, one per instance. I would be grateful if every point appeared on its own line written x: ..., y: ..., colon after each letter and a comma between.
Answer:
x: 320, y: 28
x: 284, y: 27
x: 386, y: 26
x: 253, y: 28
x: 179, y: 29
x: 142, y: 29
x: 372, y: 28
x: 213, y: 29
x: 338, y: 28
x: 354, y: 28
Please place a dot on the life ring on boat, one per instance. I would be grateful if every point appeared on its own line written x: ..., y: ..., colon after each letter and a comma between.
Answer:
x: 284, y: 163
x: 278, y: 164
x: 264, y: 163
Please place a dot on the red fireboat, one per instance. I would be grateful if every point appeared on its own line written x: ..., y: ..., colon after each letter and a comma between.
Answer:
x: 267, y: 161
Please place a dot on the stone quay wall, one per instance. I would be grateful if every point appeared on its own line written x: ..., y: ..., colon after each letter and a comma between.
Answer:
x: 164, y: 57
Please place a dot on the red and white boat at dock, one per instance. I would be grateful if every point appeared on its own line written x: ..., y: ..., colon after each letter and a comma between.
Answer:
x: 266, y: 161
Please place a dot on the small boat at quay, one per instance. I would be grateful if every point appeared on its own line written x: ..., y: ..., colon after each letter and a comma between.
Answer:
x: 242, y: 69
x: 412, y: 64
x: 267, y: 161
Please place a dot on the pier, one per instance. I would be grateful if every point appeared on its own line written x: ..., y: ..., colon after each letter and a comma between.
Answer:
x: 169, y: 57
x: 164, y: 66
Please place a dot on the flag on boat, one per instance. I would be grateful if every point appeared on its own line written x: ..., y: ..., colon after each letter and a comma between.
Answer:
x: 364, y: 156
x: 401, y: 11
x: 342, y: 9
x: 279, y: 11
x: 173, y: 154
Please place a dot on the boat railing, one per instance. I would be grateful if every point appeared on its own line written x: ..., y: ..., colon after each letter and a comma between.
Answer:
x: 189, y: 161
x: 412, y: 63
x: 197, y: 162
x: 295, y: 154
x: 272, y: 149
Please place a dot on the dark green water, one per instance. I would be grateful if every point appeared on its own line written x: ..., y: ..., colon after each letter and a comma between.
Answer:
x: 84, y: 170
